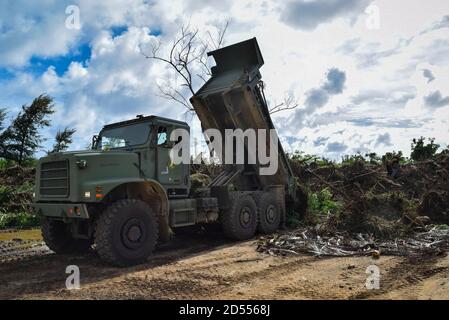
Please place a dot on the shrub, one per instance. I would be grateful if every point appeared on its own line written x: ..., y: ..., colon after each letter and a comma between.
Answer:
x: 21, y: 220
x: 373, y: 158
x: 307, y: 159
x: 351, y: 159
x: 393, y: 155
x: 422, y: 151
x: 322, y: 202
x: 6, y: 193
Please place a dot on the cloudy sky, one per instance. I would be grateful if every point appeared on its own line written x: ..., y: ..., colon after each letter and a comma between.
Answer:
x: 368, y: 75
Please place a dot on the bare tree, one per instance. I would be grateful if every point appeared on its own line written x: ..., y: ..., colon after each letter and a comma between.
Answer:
x: 288, y: 103
x: 187, y: 57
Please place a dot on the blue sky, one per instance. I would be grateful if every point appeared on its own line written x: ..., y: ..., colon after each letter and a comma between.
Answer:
x: 367, y: 75
x: 38, y: 64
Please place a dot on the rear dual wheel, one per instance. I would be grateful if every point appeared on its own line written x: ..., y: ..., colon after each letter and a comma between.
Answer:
x: 269, y: 212
x: 239, y: 222
x: 247, y: 214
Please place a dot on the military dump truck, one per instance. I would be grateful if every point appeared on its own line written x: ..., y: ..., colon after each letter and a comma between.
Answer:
x: 125, y: 195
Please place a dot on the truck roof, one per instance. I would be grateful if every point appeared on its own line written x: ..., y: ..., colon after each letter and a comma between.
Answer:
x: 146, y: 119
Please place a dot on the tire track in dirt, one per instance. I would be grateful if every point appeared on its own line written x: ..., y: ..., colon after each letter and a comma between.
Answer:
x: 47, y: 271
x: 203, y: 276
x: 19, y: 250
x: 408, y: 273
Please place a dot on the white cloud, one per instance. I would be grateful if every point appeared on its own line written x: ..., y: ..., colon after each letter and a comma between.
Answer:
x: 35, y: 28
x: 308, y: 15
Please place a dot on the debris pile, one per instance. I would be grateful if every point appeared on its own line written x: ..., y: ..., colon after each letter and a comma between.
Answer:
x: 371, y: 201
x: 433, y: 241
x: 374, y: 211
x: 17, y: 175
x: 16, y: 187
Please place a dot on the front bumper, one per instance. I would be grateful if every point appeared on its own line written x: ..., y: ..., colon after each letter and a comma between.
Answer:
x: 61, y: 210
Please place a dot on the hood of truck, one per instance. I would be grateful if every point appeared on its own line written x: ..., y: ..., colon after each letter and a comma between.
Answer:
x: 72, y: 176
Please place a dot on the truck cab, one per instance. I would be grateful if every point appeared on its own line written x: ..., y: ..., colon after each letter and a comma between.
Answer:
x: 148, y: 137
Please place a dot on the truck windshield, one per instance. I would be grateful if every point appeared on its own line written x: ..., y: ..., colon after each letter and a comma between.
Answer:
x: 125, y: 136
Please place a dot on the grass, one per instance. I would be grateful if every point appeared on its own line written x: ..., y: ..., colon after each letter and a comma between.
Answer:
x: 20, y: 220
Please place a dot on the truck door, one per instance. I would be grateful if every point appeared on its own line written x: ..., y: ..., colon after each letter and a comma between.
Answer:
x: 167, y: 172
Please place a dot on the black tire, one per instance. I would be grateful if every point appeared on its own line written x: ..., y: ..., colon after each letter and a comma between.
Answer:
x: 269, y: 213
x: 58, y: 238
x: 239, y: 222
x: 126, y: 233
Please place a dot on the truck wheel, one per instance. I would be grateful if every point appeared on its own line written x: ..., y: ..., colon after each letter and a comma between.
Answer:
x: 269, y: 212
x: 126, y: 233
x: 239, y: 222
x: 58, y: 238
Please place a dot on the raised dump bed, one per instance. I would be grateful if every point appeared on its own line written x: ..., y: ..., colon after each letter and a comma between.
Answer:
x: 232, y: 99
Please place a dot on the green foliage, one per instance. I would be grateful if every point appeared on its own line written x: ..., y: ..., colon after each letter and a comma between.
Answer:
x: 30, y: 163
x: 6, y: 194
x: 350, y: 159
x: 292, y: 221
x: 2, y: 117
x: 422, y: 151
x: 62, y: 140
x: 21, y: 220
x: 21, y: 139
x: 14, y: 199
x: 2, y: 135
x: 303, y: 158
x: 26, y: 187
x: 7, y: 163
x: 322, y: 202
x: 373, y: 158
x: 393, y: 155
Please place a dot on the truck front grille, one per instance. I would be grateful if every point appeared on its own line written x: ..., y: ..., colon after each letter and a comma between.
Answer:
x: 54, y: 179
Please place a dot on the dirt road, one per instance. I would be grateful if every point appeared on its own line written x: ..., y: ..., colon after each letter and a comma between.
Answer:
x: 206, y: 266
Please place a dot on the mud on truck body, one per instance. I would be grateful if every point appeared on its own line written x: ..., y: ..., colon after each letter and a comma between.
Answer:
x: 125, y: 195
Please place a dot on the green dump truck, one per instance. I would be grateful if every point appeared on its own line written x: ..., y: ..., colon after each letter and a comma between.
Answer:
x: 125, y: 194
